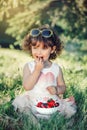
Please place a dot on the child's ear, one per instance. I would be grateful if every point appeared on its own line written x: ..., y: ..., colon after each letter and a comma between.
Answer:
x: 53, y: 49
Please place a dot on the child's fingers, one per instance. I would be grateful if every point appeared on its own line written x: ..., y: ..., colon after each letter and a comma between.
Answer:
x: 48, y: 88
x: 51, y: 90
x: 41, y: 59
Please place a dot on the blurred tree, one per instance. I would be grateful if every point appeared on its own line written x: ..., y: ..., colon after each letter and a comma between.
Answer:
x: 69, y: 17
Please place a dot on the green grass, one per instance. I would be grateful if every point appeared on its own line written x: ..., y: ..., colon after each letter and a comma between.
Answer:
x: 74, y: 66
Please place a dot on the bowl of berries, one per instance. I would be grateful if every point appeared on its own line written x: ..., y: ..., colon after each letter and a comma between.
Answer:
x: 49, y: 107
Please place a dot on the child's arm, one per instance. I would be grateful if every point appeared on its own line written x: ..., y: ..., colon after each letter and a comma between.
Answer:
x: 53, y: 90
x: 60, y: 89
x: 30, y: 79
x: 61, y: 83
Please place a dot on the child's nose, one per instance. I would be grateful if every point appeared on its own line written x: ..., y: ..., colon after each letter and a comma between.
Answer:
x: 39, y: 52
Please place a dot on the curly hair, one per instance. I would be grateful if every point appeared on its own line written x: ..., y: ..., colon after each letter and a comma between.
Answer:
x: 53, y: 40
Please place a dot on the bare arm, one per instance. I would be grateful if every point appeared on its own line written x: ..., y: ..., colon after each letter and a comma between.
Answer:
x: 30, y: 79
x: 60, y: 88
x: 61, y: 83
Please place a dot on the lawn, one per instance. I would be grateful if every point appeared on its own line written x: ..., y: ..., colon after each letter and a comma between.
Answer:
x: 74, y: 66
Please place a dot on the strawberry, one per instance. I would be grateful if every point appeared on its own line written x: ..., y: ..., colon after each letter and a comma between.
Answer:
x: 48, y: 106
x: 50, y: 100
x: 39, y: 104
x: 51, y: 103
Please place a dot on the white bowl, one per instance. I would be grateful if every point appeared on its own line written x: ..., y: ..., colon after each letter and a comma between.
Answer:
x: 46, y: 110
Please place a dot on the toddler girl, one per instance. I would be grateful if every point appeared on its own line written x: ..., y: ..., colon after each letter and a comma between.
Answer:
x: 43, y: 79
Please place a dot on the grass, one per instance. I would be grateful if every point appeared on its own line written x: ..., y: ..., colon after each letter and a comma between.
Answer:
x: 74, y: 66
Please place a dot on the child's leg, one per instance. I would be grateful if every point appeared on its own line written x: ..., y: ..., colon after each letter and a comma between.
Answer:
x: 68, y: 107
x: 22, y: 104
x: 70, y: 99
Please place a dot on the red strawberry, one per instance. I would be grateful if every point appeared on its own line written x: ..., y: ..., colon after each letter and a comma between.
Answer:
x: 39, y: 104
x: 50, y: 100
x: 48, y: 106
x: 51, y: 103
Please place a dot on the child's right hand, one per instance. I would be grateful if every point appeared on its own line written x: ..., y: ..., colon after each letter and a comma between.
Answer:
x: 39, y: 64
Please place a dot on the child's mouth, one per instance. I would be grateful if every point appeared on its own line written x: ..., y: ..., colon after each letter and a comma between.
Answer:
x: 40, y: 58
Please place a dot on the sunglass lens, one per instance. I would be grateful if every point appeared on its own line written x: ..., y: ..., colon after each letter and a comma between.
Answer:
x: 46, y: 33
x: 35, y: 32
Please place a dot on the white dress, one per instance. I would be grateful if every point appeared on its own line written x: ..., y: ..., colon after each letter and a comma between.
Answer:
x: 48, y: 77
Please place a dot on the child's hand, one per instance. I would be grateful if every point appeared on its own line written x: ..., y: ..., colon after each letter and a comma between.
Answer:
x: 52, y: 90
x: 39, y: 64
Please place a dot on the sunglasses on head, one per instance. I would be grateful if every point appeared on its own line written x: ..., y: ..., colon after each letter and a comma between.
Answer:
x: 46, y: 33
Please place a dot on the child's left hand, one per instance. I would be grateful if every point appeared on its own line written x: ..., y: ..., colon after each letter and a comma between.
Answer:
x: 52, y: 90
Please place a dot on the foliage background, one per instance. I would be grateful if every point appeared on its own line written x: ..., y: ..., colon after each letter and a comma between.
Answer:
x: 68, y: 17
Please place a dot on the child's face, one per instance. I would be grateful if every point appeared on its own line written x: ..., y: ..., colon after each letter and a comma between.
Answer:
x: 41, y: 52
